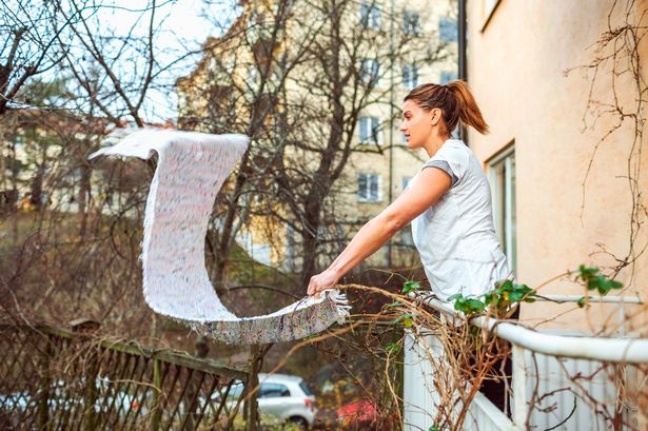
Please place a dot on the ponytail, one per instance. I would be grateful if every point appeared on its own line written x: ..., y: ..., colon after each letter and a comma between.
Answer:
x: 469, y: 112
x: 455, y: 101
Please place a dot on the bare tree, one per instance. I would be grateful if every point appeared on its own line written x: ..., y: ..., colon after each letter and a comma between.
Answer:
x: 70, y: 76
x: 299, y: 91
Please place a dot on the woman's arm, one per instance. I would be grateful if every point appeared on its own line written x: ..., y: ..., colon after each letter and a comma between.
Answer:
x: 423, y: 192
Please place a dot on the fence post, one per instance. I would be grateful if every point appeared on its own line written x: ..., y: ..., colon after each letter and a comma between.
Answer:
x: 251, y: 409
x: 519, y: 387
x: 157, y: 383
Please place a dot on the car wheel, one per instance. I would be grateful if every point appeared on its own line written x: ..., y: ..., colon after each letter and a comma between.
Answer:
x: 299, y: 421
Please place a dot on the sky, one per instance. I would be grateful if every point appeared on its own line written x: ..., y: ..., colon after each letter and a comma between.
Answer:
x: 184, y: 27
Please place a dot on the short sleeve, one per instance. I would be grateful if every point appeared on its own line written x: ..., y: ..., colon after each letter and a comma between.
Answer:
x: 453, y: 158
x: 444, y: 166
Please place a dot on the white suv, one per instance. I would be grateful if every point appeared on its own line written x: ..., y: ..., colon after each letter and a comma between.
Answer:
x: 282, y: 398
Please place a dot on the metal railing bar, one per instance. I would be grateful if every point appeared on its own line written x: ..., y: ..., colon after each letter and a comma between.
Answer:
x: 624, y: 350
x: 614, y: 299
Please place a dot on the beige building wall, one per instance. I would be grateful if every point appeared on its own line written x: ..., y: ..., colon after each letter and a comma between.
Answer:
x: 573, y: 197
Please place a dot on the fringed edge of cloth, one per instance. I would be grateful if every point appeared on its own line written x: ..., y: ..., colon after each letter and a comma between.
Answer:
x: 290, y: 323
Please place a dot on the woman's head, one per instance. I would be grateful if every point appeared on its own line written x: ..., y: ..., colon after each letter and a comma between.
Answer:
x: 454, y: 101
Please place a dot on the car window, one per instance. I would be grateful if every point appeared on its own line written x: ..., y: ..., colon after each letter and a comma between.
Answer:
x: 273, y: 390
x: 304, y: 387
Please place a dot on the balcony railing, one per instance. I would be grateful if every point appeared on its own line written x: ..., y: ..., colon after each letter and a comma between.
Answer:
x: 566, y: 382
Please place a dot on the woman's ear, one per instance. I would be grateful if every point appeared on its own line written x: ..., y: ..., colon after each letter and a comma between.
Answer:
x: 435, y: 116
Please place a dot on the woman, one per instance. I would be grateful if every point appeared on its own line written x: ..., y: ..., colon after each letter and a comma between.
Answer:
x: 448, y: 202
x: 449, y: 205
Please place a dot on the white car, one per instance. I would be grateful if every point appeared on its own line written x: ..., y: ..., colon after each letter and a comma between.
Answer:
x: 281, y: 398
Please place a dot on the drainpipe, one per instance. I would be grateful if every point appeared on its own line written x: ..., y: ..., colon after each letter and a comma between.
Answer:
x: 392, y: 112
x: 462, y: 48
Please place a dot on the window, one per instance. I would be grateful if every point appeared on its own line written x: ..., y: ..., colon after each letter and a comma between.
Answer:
x: 369, y: 70
x: 369, y: 15
x: 448, y: 29
x: 369, y: 188
x: 273, y: 390
x: 411, y: 23
x: 447, y: 76
x: 502, y: 178
x: 410, y: 76
x: 369, y: 130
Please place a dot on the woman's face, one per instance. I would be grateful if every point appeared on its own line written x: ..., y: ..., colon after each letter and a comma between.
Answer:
x: 417, y: 124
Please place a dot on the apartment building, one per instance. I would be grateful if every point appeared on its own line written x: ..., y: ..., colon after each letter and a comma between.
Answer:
x: 371, y: 53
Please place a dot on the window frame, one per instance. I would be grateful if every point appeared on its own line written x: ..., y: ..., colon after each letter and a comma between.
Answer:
x: 370, y: 15
x: 412, y: 75
x: 502, y: 179
x: 369, y: 71
x: 372, y: 134
x: 365, y: 196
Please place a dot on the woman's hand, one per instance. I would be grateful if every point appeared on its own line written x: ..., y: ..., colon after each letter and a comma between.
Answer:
x: 322, y: 281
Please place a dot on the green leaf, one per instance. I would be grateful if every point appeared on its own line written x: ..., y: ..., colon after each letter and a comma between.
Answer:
x: 392, y: 348
x: 468, y: 306
x: 593, y: 280
x: 516, y: 296
x: 410, y: 286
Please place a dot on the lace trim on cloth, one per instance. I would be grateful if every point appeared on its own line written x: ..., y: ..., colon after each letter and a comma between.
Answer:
x: 191, y: 169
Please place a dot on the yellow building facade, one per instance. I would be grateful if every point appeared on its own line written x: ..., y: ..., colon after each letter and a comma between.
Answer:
x: 424, y: 35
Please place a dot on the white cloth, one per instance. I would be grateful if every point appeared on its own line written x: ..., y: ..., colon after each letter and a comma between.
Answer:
x: 191, y: 169
x: 456, y: 237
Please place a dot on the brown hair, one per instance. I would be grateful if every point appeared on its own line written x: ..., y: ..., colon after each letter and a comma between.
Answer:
x: 455, y: 101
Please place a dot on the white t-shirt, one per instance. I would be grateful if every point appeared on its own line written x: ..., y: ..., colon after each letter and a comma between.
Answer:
x: 456, y: 237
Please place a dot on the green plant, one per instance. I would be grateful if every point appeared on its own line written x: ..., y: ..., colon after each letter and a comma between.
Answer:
x: 507, y: 293
x: 500, y: 299
x: 410, y: 286
x: 594, y: 280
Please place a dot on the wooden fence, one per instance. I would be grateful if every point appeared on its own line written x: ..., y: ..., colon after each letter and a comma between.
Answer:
x: 52, y: 379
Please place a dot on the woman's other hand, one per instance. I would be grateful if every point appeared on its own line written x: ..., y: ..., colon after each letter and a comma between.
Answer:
x: 322, y: 281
